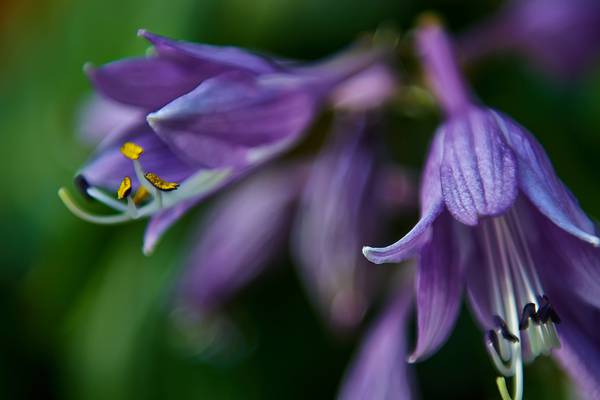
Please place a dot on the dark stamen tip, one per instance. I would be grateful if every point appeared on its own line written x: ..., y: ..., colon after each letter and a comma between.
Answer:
x: 506, y: 333
x: 82, y: 185
x: 493, y: 338
x: 528, y: 313
x: 544, y: 313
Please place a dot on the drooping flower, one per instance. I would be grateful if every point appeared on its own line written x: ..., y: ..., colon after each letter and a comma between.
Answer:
x: 207, y: 116
x: 561, y: 37
x: 496, y: 219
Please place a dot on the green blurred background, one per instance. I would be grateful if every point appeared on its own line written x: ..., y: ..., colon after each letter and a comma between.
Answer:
x: 84, y: 315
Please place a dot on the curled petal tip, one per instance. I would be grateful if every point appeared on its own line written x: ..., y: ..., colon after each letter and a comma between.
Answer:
x: 148, y: 250
x: 150, y: 242
x: 88, y: 68
x: 153, y: 119
x: 368, y: 253
x: 142, y: 32
x: 412, y: 359
x: 594, y: 241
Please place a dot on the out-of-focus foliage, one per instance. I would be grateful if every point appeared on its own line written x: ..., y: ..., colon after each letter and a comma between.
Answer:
x: 86, y: 316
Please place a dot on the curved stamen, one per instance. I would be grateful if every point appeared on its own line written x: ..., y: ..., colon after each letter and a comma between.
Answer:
x: 86, y: 216
x: 502, y: 364
x: 523, y: 319
x: 163, y: 193
x: 105, y: 199
x: 131, y: 208
x: 506, y: 333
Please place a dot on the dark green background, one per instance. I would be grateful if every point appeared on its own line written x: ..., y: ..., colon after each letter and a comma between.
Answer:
x: 84, y: 315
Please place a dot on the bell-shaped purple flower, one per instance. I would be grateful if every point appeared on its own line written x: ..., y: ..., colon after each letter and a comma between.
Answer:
x: 561, y: 37
x: 208, y: 115
x: 492, y: 212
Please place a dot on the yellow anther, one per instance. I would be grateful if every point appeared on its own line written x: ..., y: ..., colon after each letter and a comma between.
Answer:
x: 140, y: 195
x: 159, y: 183
x: 124, y: 188
x: 131, y: 150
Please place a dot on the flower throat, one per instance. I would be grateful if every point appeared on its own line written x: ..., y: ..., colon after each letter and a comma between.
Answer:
x: 523, y: 318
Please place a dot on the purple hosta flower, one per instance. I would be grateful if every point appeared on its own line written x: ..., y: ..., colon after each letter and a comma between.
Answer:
x: 379, y: 370
x: 207, y: 116
x: 334, y: 199
x: 335, y: 215
x: 496, y: 219
x: 561, y: 37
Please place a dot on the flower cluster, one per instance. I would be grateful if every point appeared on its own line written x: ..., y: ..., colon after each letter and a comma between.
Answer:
x: 191, y: 120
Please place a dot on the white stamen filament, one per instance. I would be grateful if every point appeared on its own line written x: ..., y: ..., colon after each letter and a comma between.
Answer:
x: 105, y: 199
x: 132, y: 210
x: 201, y: 182
x: 514, y: 284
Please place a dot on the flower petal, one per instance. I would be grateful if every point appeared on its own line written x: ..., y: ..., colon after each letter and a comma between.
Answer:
x: 478, y: 285
x: 580, y: 358
x: 145, y: 82
x: 574, y: 265
x: 559, y: 36
x: 162, y: 221
x: 336, y: 215
x: 579, y: 354
x: 367, y: 90
x: 101, y: 117
x: 239, y: 237
x: 538, y: 180
x: 431, y: 207
x: 236, y: 108
x: 379, y: 371
x: 214, y: 59
x: 478, y: 171
x: 439, y: 286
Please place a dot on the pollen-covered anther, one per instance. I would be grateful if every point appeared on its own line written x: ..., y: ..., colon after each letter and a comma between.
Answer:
x: 124, y: 188
x: 159, y: 183
x: 131, y: 150
x: 141, y: 195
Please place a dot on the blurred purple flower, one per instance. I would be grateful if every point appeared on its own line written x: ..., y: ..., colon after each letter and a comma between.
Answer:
x: 561, y: 37
x: 240, y: 236
x: 495, y: 217
x: 379, y: 370
x: 207, y: 116
x: 335, y: 198
x: 337, y: 213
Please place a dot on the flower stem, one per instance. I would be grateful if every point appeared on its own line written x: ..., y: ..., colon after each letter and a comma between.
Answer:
x: 440, y: 67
